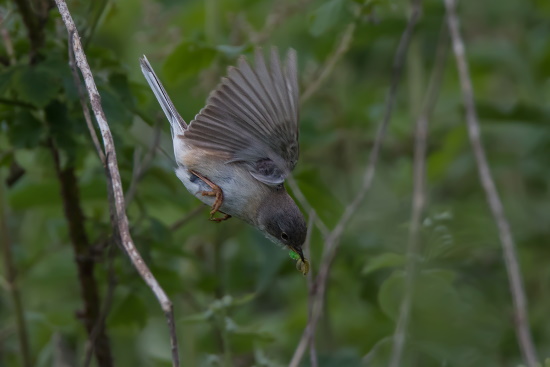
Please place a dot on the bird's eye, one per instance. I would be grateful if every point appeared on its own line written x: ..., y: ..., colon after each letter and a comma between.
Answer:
x: 284, y: 236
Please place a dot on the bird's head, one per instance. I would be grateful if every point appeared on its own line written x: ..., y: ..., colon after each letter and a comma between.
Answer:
x: 280, y: 219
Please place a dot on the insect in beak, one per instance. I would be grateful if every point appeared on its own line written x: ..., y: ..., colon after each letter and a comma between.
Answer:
x: 302, y: 265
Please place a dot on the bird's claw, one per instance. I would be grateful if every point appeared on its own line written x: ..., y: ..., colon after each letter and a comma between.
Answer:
x: 216, y: 192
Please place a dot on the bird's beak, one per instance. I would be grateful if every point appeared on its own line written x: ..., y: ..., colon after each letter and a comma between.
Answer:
x: 298, y: 250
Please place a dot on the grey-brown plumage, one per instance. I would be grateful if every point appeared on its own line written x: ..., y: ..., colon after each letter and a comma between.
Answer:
x: 253, y: 117
x: 243, y: 144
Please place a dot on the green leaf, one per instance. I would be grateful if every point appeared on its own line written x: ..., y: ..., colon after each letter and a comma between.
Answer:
x: 36, y: 85
x: 130, y: 312
x: 387, y: 260
x: 61, y: 128
x: 324, y: 17
x: 429, y: 292
x: 6, y: 77
x: 518, y: 113
x: 25, y: 130
x: 197, y: 318
x: 188, y: 59
x: 119, y: 84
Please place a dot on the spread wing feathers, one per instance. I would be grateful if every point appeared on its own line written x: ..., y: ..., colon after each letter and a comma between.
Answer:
x: 177, y: 124
x: 253, y: 117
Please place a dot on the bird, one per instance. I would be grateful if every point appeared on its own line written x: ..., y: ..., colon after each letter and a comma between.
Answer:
x: 236, y: 153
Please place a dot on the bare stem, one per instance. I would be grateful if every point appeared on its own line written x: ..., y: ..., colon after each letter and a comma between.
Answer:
x: 141, y: 167
x: 97, y: 329
x: 333, y: 240
x: 311, y: 290
x: 83, y: 103
x: 7, y: 41
x: 183, y: 221
x: 280, y: 13
x: 119, y: 215
x: 419, y: 197
x: 341, y: 48
x: 306, y: 205
x: 519, y: 299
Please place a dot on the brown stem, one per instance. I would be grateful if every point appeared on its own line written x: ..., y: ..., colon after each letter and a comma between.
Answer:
x: 332, y: 242
x: 280, y: 13
x: 183, y: 221
x: 515, y: 281
x: 419, y: 198
x: 84, y: 258
x: 34, y: 27
x: 84, y: 104
x: 100, y: 322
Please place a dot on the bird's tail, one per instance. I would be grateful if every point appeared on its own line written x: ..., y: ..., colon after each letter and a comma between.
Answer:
x: 178, y: 125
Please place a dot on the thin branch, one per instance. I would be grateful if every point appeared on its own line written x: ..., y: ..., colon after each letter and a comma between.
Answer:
x: 16, y: 172
x: 523, y: 332
x: 341, y: 48
x: 83, y: 103
x: 11, y: 281
x: 308, y: 341
x: 141, y: 167
x: 183, y: 221
x: 7, y: 41
x: 31, y: 21
x: 311, y: 290
x: 282, y: 12
x: 306, y: 205
x: 333, y: 240
x: 106, y: 306
x: 14, y: 102
x: 419, y: 197
x: 119, y: 215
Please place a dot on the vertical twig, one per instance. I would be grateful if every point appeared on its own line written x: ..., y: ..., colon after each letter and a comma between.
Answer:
x: 83, y: 103
x: 141, y: 167
x: 7, y: 41
x: 276, y: 18
x: 341, y: 48
x: 333, y: 240
x: 311, y: 290
x: 11, y: 281
x: 519, y: 299
x: 183, y: 221
x: 306, y: 205
x: 99, y: 325
x: 419, y: 198
x: 308, y: 338
x: 34, y: 24
x: 119, y: 215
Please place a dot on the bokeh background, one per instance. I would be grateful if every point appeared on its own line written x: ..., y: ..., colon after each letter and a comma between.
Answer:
x: 238, y: 299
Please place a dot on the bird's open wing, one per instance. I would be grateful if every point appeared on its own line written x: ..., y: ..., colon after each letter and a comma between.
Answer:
x: 252, y: 117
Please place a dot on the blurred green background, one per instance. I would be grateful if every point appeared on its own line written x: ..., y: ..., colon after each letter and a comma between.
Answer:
x: 238, y: 299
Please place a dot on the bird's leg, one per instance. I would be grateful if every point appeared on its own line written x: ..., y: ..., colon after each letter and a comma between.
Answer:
x: 218, y: 193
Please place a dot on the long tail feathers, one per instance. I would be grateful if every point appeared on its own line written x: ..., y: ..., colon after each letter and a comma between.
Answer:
x: 178, y: 125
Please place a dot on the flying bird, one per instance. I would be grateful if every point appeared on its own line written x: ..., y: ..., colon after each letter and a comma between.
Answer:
x: 237, y: 152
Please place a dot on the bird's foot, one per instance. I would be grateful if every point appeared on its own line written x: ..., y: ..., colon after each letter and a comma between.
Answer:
x: 216, y: 192
x: 218, y: 220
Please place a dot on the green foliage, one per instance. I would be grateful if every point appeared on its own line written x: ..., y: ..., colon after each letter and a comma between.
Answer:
x: 188, y: 59
x: 325, y: 17
x: 35, y: 85
x: 238, y: 299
